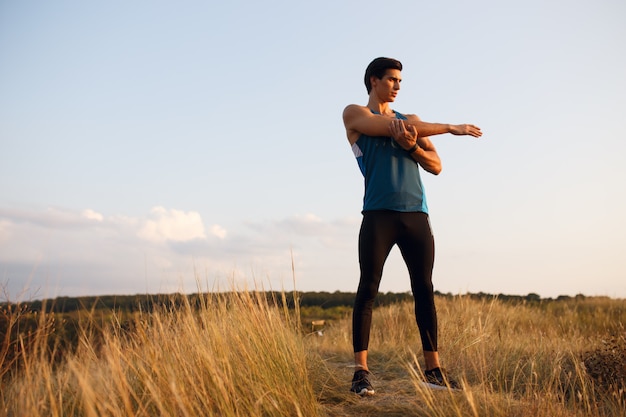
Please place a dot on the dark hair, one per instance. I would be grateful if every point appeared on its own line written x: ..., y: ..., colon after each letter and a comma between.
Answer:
x: 378, y: 67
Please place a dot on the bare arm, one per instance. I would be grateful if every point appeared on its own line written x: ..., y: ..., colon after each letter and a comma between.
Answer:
x: 360, y: 120
x: 423, y: 150
x: 431, y: 129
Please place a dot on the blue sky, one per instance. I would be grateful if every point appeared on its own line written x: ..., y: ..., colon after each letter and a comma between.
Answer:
x: 155, y: 146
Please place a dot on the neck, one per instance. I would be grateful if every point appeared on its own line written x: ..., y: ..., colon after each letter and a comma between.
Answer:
x: 379, y: 106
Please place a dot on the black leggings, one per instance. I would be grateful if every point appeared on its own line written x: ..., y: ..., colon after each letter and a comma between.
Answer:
x: 380, y: 230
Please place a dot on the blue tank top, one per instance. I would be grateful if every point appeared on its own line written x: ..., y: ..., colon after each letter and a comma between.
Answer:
x: 392, y: 177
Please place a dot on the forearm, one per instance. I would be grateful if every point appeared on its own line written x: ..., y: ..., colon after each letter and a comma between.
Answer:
x: 421, y: 150
x: 379, y: 126
x: 429, y: 160
x: 425, y: 129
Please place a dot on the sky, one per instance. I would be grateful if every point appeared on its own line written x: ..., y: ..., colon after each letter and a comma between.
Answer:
x: 159, y: 146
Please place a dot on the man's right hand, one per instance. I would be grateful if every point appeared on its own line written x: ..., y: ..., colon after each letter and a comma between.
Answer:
x: 405, y: 135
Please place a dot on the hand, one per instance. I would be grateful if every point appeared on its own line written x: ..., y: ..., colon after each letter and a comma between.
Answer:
x: 405, y: 135
x: 466, y: 130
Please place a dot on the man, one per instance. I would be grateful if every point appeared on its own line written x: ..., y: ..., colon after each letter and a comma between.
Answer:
x: 390, y: 147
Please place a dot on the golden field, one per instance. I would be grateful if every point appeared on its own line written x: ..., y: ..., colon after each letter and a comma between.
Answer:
x: 241, y: 354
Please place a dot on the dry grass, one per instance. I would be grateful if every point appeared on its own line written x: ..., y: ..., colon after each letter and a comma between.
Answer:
x: 242, y: 356
x: 237, y: 356
x: 553, y: 359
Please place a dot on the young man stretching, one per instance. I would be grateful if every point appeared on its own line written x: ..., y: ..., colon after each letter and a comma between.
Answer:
x: 389, y: 148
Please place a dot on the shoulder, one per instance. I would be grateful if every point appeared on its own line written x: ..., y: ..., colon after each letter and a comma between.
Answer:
x: 353, y: 116
x: 355, y: 109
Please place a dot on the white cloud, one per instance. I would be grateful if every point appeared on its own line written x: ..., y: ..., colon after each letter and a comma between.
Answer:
x: 92, y: 215
x: 219, y: 231
x: 172, y: 225
x: 60, y: 251
x: 51, y: 217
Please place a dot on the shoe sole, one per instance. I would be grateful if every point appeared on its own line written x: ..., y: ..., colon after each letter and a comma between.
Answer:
x: 365, y: 392
x: 439, y: 387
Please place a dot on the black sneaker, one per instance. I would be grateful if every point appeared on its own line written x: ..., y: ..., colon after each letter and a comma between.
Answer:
x: 361, y: 383
x: 436, y: 379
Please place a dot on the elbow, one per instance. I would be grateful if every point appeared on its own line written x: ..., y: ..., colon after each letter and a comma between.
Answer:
x: 436, y: 170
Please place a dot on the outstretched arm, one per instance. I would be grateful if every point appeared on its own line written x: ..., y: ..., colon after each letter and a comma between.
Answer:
x: 430, y: 129
x: 360, y: 120
x: 421, y: 149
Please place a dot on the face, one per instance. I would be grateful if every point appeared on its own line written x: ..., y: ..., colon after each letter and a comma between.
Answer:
x: 387, y: 87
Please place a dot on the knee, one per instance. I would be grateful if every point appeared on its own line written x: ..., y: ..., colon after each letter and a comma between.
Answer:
x: 365, y: 299
x: 422, y: 289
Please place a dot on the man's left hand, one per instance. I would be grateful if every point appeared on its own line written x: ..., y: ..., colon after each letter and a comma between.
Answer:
x: 466, y: 129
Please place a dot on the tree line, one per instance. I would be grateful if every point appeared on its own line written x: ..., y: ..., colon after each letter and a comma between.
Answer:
x: 321, y: 299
